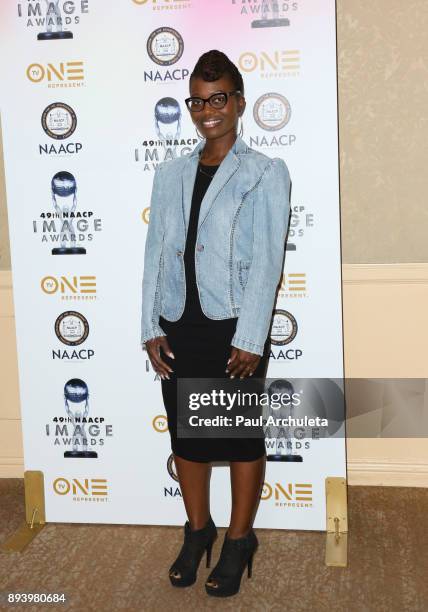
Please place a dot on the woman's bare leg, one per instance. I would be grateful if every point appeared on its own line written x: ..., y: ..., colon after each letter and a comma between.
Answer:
x: 247, y: 479
x: 194, y: 478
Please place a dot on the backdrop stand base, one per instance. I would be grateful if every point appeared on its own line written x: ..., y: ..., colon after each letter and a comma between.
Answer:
x: 35, y: 518
x: 336, y: 550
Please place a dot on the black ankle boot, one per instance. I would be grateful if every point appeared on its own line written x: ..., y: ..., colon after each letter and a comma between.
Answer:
x: 225, y: 579
x: 191, y: 553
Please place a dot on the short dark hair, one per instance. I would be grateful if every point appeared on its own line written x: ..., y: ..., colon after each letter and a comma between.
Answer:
x: 215, y: 64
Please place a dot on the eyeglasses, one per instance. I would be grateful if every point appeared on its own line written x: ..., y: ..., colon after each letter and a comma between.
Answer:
x: 217, y: 100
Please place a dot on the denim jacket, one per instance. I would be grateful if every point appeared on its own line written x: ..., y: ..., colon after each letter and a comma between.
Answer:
x: 240, y: 244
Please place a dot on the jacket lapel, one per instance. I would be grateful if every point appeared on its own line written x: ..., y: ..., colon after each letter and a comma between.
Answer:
x: 187, y: 182
x: 227, y: 168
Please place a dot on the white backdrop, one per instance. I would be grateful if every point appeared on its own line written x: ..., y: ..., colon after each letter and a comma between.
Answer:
x: 108, y: 140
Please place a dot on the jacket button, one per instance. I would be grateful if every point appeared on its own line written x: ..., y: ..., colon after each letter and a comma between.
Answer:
x: 200, y: 247
x: 179, y: 253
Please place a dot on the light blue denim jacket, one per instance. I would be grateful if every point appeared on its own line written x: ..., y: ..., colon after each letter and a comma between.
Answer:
x: 240, y: 244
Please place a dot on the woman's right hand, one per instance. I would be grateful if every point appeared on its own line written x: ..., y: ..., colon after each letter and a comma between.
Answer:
x: 153, y: 347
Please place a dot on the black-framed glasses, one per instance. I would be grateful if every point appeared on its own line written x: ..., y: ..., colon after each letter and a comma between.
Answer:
x: 216, y: 100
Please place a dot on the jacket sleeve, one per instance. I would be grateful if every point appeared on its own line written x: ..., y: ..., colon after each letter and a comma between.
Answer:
x: 270, y: 223
x: 152, y: 265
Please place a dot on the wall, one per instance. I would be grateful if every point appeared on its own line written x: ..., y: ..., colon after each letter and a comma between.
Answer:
x: 383, y: 126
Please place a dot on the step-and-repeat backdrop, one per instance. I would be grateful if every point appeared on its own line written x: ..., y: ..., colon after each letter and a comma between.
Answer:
x: 92, y: 95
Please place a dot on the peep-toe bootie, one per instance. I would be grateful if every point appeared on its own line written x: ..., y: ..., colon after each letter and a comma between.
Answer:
x: 236, y: 554
x: 183, y: 571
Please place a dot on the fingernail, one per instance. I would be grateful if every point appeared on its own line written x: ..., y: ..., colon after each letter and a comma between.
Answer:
x: 228, y: 361
x: 171, y: 355
x: 167, y: 376
x: 226, y: 370
x: 232, y: 376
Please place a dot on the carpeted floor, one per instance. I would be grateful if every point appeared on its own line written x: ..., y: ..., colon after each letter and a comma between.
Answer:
x: 113, y: 568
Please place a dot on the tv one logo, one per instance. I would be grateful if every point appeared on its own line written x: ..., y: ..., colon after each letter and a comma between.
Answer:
x: 276, y: 62
x: 158, y: 4
x: 289, y: 494
x: 160, y: 423
x: 86, y: 487
x: 74, y: 285
x: 145, y: 215
x: 62, y: 74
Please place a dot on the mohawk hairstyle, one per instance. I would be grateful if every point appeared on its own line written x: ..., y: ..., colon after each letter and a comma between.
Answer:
x: 215, y: 64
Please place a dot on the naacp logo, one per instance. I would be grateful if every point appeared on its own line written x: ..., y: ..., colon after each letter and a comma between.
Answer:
x: 284, y: 328
x: 171, y: 468
x: 272, y: 111
x: 59, y: 120
x: 165, y: 46
x: 71, y: 328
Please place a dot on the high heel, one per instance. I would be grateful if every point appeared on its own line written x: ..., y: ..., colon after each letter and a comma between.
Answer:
x: 236, y: 554
x: 195, y: 543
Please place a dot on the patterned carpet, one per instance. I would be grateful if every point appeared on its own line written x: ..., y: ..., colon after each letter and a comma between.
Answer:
x: 114, y: 568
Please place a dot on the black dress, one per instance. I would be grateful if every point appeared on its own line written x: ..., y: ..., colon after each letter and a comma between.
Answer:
x: 201, y: 347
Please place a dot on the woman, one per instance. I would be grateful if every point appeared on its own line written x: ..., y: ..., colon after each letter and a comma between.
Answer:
x: 213, y: 259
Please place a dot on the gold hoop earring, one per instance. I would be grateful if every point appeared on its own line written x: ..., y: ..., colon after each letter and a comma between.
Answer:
x: 241, y: 129
x: 200, y: 137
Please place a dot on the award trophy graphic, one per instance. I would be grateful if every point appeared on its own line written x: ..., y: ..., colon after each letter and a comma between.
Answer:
x: 168, y: 122
x: 281, y: 434
x: 53, y: 18
x: 270, y: 22
x: 76, y: 393
x: 64, y: 188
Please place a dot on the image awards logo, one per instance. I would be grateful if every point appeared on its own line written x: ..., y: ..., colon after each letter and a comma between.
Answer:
x: 273, y: 21
x: 77, y: 431
x: 278, y: 438
x: 64, y: 199
x: 65, y: 225
x: 169, y: 143
x: 168, y: 122
x: 76, y: 401
x: 54, y: 23
x: 54, y: 16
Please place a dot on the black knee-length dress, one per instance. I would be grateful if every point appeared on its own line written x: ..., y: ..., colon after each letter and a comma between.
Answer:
x: 201, y: 347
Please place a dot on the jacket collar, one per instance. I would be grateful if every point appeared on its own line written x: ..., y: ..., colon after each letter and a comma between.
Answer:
x: 239, y: 146
x: 227, y: 168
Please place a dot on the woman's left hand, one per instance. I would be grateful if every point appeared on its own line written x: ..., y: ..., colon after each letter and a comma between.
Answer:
x: 242, y: 363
